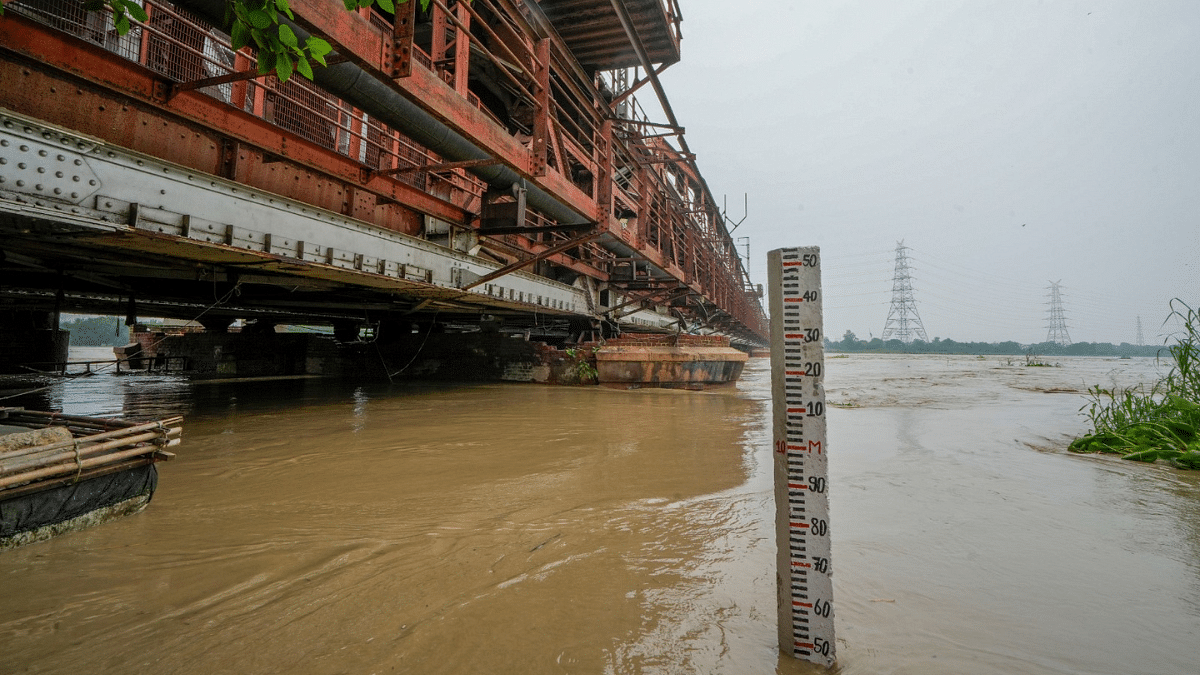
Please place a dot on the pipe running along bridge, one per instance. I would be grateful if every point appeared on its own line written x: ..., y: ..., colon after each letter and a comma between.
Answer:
x: 461, y: 163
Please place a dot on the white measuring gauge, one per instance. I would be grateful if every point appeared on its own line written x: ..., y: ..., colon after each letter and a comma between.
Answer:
x: 804, y: 572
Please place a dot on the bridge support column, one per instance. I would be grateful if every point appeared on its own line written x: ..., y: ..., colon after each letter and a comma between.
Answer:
x: 31, y: 340
x: 257, y: 351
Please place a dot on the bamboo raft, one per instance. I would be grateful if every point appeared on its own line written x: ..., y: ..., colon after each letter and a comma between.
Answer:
x: 61, y: 473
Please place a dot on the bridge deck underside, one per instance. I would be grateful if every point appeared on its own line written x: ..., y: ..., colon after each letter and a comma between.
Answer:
x: 596, y: 37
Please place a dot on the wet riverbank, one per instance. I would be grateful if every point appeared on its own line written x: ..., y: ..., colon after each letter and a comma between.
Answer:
x: 312, y: 527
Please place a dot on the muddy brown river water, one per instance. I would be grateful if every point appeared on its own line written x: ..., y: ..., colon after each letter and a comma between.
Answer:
x: 312, y: 528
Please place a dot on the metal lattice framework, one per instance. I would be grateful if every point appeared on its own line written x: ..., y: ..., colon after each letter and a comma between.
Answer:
x: 903, y: 322
x: 1057, y: 330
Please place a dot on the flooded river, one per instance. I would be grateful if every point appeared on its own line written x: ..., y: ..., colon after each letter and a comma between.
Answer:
x: 308, y: 527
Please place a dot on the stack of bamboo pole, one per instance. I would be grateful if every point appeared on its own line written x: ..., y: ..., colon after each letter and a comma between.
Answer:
x: 95, y: 447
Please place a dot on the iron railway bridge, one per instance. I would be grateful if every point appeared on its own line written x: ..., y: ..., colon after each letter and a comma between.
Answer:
x: 462, y: 163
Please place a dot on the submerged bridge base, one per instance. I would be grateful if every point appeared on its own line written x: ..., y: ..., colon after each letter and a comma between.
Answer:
x: 679, y: 361
x: 424, y: 354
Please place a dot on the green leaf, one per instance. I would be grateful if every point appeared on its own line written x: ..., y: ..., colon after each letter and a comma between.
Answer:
x: 387, y: 6
x: 135, y: 10
x: 304, y: 68
x: 283, y: 69
x: 266, y: 62
x: 287, y: 37
x: 122, y: 24
x: 318, y: 47
x: 260, y: 38
x: 239, y: 35
x: 282, y: 5
x: 351, y: 5
x: 259, y: 19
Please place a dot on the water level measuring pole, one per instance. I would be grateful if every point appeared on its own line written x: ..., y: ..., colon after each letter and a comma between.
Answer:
x: 804, y: 573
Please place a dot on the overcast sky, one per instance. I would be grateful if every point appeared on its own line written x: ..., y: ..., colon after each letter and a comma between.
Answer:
x: 1007, y: 143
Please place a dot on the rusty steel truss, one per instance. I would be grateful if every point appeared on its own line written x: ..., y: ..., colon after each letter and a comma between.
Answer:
x: 503, y: 130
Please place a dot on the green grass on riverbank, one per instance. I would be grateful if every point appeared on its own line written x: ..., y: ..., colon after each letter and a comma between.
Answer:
x: 1162, y: 423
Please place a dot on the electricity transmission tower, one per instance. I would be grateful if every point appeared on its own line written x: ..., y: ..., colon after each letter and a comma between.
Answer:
x: 1057, y: 332
x: 903, y: 320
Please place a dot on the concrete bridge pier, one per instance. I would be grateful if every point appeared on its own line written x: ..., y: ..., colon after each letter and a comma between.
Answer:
x: 31, y: 339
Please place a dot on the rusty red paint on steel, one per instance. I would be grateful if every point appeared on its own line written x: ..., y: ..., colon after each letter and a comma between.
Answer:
x: 195, y: 123
x: 364, y: 44
x: 354, y: 37
x: 657, y: 340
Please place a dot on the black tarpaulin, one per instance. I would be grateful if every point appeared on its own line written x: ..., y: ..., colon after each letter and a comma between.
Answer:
x: 31, y: 511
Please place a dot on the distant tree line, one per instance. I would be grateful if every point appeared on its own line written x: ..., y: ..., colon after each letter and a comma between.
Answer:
x: 851, y: 343
x: 96, y: 331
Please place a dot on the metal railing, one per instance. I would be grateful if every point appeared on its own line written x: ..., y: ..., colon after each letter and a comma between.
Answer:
x: 183, y: 47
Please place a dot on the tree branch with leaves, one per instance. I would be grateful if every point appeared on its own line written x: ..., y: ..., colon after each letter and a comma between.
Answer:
x: 259, y: 24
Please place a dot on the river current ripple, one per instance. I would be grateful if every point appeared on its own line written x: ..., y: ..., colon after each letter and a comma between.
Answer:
x: 311, y: 527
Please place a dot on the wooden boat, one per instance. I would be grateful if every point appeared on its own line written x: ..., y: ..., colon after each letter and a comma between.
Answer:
x: 62, y: 473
